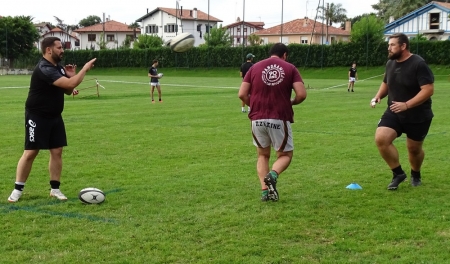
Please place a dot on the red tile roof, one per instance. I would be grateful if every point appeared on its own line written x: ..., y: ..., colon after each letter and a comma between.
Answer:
x: 186, y: 14
x: 302, y: 26
x: 57, y: 29
x: 446, y: 5
x: 257, y: 25
x: 110, y: 26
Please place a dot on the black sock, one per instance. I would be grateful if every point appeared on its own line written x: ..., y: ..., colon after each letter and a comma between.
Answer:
x: 159, y: 99
x: 19, y: 187
x: 54, y: 184
x: 398, y: 170
x: 415, y: 174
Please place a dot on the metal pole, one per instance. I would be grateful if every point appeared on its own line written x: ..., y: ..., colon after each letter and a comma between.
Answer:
x: 209, y: 33
x: 242, y: 29
x: 281, y: 34
x: 367, y: 42
x: 176, y: 17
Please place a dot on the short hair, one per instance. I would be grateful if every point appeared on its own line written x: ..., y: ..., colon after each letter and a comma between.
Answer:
x: 155, y: 61
x: 401, y: 38
x: 278, y: 49
x: 48, y: 42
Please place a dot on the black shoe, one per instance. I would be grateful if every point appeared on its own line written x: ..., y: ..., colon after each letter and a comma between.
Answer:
x: 352, y: 91
x: 348, y: 90
x: 415, y: 181
x: 271, y: 183
x: 396, y: 180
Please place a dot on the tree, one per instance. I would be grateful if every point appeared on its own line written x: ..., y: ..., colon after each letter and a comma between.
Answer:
x: 89, y: 21
x: 394, y: 8
x: 218, y: 37
x: 134, y: 26
x: 368, y: 30
x: 126, y: 43
x: 17, y: 37
x: 333, y: 13
x: 148, y: 41
x: 255, y: 40
x: 102, y: 42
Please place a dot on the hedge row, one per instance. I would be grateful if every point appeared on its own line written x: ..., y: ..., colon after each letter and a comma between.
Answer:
x: 339, y: 54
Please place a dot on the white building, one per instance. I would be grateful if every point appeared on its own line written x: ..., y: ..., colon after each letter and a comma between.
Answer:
x: 115, y: 34
x: 168, y: 22
x: 240, y: 30
x: 432, y: 21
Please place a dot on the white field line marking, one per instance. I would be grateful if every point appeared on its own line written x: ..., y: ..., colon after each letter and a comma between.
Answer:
x: 331, y: 87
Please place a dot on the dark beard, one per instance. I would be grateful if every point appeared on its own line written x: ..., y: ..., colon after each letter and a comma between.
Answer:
x: 56, y: 58
x: 395, y: 56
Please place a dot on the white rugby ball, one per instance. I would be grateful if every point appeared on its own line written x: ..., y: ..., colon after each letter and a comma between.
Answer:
x: 160, y: 75
x: 182, y: 42
x: 91, y: 196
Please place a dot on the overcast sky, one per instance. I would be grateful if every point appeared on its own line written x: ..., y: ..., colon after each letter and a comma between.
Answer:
x: 267, y: 11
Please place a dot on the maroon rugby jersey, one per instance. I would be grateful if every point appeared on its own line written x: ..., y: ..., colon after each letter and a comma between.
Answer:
x: 271, y: 88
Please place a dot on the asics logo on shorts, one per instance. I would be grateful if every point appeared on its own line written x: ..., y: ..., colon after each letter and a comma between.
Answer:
x: 273, y: 75
x: 31, y: 130
x: 267, y: 124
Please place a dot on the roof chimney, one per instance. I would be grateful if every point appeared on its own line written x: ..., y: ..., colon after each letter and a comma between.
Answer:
x: 305, y: 22
x: 348, y: 25
x: 147, y: 10
x: 194, y: 12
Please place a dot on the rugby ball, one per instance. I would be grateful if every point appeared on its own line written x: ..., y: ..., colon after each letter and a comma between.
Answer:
x: 91, y: 196
x: 182, y: 42
x: 160, y: 75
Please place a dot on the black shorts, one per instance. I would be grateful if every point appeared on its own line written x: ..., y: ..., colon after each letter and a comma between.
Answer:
x: 44, y: 133
x: 414, y: 131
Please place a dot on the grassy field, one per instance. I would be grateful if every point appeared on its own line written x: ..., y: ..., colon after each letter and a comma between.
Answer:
x: 181, y: 185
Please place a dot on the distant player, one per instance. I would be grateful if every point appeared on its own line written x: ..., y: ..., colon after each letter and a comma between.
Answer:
x: 352, y: 77
x: 244, y: 69
x: 154, y: 80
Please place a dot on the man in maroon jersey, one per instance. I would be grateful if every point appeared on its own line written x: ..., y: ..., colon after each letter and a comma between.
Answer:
x: 270, y: 83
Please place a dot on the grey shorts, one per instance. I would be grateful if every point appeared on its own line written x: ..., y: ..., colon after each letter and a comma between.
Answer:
x: 273, y: 132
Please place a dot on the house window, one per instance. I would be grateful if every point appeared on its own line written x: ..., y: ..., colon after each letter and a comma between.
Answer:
x: 434, y: 21
x: 91, y: 37
x: 304, y: 40
x: 109, y: 37
x: 238, y: 40
x: 238, y: 29
x: 245, y: 29
x: 170, y: 28
x: 208, y: 27
x: 151, y: 29
x: 77, y: 43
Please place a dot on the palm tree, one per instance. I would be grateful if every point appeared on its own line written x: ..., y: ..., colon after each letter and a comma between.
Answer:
x: 255, y: 40
x: 333, y: 13
x: 134, y: 26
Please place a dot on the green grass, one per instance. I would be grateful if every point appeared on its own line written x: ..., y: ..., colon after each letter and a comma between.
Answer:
x: 181, y: 183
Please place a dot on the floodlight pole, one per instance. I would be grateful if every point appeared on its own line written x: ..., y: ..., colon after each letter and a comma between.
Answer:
x: 281, y: 34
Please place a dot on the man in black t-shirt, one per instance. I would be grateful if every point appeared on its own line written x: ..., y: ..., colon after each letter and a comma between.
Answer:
x: 409, y: 84
x: 154, y: 80
x: 244, y: 69
x: 44, y: 126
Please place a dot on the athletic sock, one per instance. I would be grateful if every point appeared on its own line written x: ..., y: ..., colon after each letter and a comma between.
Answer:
x: 415, y: 174
x: 264, y: 192
x: 160, y: 99
x: 19, y: 186
x: 54, y: 184
x: 274, y: 174
x: 398, y: 170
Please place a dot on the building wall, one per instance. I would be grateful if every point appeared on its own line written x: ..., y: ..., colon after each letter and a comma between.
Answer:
x: 119, y: 38
x: 304, y: 39
x: 420, y: 24
x: 240, y: 33
x: 161, y: 19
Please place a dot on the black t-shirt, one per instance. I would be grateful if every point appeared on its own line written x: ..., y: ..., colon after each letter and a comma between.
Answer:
x: 45, y: 99
x: 404, y: 80
x: 244, y: 68
x: 352, y: 72
x: 153, y: 71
